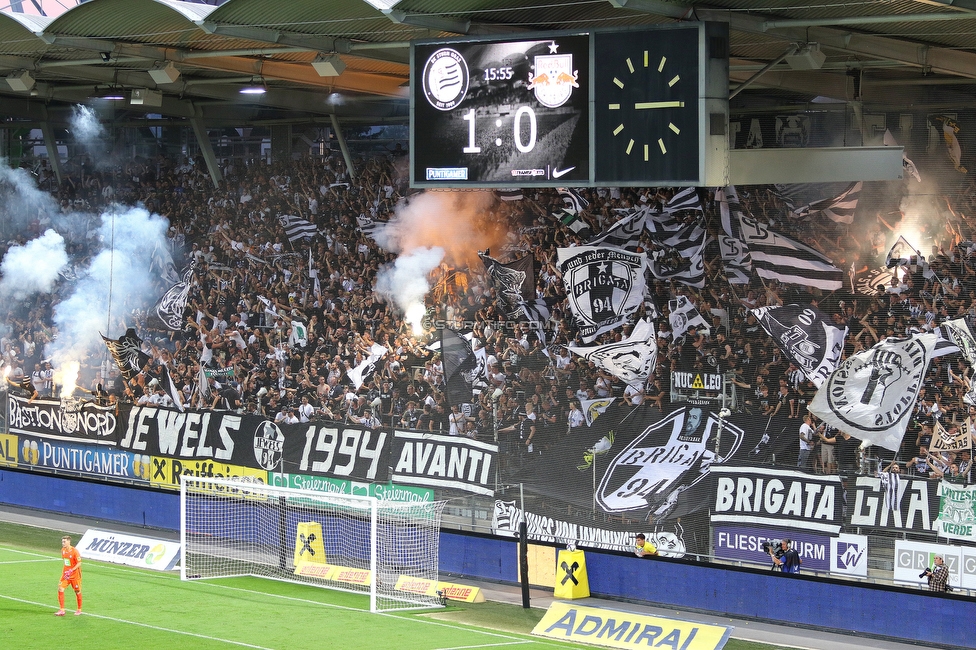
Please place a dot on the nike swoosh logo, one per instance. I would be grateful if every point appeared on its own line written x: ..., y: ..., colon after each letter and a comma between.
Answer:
x: 557, y: 173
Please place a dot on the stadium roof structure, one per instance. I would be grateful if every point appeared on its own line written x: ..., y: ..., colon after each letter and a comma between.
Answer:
x: 190, y: 59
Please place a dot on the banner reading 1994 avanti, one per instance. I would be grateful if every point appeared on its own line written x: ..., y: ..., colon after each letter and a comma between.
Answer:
x: 155, y: 446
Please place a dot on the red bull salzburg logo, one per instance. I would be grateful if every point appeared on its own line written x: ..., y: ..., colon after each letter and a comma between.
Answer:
x: 553, y: 78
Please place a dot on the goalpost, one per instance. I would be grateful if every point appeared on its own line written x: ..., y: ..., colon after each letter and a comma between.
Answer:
x: 387, y: 549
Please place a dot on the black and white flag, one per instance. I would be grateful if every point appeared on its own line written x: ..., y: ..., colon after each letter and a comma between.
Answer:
x: 686, y: 199
x: 839, y: 208
x: 171, y: 390
x: 127, y: 353
x: 906, y: 162
x: 625, y: 233
x: 903, y: 254
x: 297, y: 228
x: 957, y: 331
x: 687, y: 241
x: 365, y: 224
x: 572, y: 199
x: 604, y: 286
x: 459, y: 361
x: 807, y: 337
x: 683, y: 315
x: 776, y: 257
x: 509, y: 194
x: 668, y: 265
x: 867, y: 282
x: 168, y: 310
x: 531, y: 311
x: 631, y: 360
x: 871, y: 395
x: 514, y: 282
x: 669, y: 457
x: 735, y: 256
x: 364, y: 371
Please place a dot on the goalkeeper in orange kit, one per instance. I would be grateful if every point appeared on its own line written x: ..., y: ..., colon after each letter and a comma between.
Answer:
x: 70, y: 574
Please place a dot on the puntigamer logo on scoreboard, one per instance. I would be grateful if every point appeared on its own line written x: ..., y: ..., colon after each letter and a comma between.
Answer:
x: 447, y: 173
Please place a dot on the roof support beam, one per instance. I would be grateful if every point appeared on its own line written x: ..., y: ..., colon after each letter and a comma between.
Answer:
x: 206, y: 149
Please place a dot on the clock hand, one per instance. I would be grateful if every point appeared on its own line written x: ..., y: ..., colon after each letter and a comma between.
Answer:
x: 641, y: 105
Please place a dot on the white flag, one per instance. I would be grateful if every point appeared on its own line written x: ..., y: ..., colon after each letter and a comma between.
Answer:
x: 872, y: 394
x: 630, y: 360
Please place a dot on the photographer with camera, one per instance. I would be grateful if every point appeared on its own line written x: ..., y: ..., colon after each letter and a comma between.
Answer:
x: 938, y: 576
x: 785, y: 558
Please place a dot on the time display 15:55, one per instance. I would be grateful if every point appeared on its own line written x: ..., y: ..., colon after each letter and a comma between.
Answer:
x: 499, y: 74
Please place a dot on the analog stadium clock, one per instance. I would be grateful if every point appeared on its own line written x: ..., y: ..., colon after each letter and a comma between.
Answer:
x: 647, y: 108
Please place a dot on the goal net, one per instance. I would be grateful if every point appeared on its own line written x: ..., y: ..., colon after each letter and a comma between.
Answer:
x: 386, y: 549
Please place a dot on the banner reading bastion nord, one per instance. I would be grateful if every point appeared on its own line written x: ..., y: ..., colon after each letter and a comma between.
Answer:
x: 155, y: 446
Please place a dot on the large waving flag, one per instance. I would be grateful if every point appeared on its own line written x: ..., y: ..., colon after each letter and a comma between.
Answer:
x: 168, y: 310
x: 839, y: 209
x: 735, y: 256
x: 297, y: 228
x: 604, y: 285
x: 777, y: 257
x: 630, y: 360
x: 625, y: 233
x: 683, y: 314
x: 459, y: 361
x: 807, y: 336
x: 514, y: 282
x: 364, y: 371
x: 871, y: 395
x: 127, y: 353
x: 686, y: 199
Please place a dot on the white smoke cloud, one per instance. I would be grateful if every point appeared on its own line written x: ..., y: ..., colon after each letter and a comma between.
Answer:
x: 85, y: 126
x: 116, y: 281
x: 33, y: 267
x: 405, y: 281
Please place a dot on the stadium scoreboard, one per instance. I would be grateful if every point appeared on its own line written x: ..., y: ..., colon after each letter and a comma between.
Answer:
x: 643, y: 106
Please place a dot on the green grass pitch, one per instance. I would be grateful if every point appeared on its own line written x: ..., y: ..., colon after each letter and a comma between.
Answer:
x: 134, y: 608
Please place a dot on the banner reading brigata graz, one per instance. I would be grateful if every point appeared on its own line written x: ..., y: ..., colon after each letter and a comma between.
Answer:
x: 774, y: 496
x: 915, y: 509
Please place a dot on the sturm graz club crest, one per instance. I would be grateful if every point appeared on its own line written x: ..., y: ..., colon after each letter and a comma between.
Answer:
x: 669, y: 457
x: 269, y: 444
x: 876, y: 389
x: 553, y: 78
x: 445, y: 79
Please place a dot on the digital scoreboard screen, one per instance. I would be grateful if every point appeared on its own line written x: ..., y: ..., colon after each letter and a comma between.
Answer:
x: 634, y: 106
x: 505, y: 113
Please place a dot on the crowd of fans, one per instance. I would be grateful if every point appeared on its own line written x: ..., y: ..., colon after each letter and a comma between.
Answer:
x: 250, y: 284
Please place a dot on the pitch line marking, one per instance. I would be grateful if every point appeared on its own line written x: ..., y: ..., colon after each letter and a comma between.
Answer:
x: 486, y: 645
x: 146, y: 625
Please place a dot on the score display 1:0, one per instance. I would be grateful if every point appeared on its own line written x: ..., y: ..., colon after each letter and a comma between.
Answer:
x: 470, y: 117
